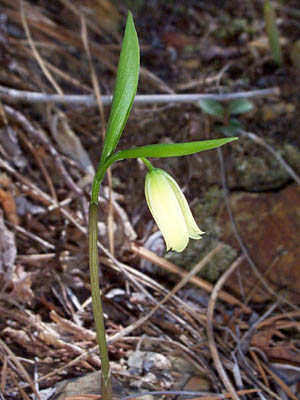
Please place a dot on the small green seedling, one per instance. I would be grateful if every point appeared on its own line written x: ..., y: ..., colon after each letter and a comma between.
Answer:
x: 165, y: 199
x: 227, y: 124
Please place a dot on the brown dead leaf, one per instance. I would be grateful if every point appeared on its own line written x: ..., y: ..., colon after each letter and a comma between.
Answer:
x: 8, y: 203
x: 283, y: 351
x: 263, y: 338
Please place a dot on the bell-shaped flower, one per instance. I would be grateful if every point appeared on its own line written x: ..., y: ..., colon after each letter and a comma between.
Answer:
x: 170, y: 210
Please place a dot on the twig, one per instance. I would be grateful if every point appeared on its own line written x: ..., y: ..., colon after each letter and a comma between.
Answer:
x: 20, y: 118
x: 210, y: 330
x: 20, y: 367
x: 280, y: 382
x: 186, y: 278
x: 35, y: 51
x: 90, y: 100
x: 174, y: 269
x: 246, y: 339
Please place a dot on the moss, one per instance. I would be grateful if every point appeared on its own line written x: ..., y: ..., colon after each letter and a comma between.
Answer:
x: 257, y: 169
x: 197, y: 250
x: 209, y: 207
x: 205, y: 213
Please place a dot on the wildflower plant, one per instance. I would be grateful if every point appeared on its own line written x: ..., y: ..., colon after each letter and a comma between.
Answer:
x: 165, y: 199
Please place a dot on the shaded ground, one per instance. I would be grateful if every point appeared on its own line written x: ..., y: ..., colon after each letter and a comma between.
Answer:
x: 48, y: 154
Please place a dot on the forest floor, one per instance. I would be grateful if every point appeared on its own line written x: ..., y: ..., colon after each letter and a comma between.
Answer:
x: 227, y: 324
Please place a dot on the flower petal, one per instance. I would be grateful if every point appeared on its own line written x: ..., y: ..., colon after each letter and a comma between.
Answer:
x: 194, y: 231
x: 166, y: 210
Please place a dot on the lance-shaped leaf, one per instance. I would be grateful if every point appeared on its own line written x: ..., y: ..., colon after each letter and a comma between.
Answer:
x: 240, y: 106
x: 168, y: 150
x: 125, y: 88
x: 212, y: 107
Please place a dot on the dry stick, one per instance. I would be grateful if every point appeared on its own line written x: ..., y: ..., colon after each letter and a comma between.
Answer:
x: 259, y: 367
x: 246, y: 339
x: 130, y: 271
x: 20, y: 367
x: 17, y: 384
x: 210, y: 329
x: 18, y: 117
x: 60, y: 92
x: 250, y: 375
x: 201, y: 318
x: 170, y: 267
x: 273, y: 320
x: 61, y: 74
x: 155, y: 81
x: 40, y: 163
x: 4, y: 372
x: 36, y: 53
x: 239, y: 239
x: 280, y: 382
x: 185, y: 279
x: 131, y: 276
x: 76, y: 11
x: 90, y: 100
x: 25, y: 232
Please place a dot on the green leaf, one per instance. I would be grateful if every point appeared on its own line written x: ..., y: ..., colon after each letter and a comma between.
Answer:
x: 125, y: 88
x: 240, y: 106
x: 272, y: 32
x: 168, y: 150
x: 212, y: 107
x: 232, y: 128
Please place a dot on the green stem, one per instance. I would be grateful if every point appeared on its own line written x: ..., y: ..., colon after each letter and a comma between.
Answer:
x: 106, y: 389
x: 147, y: 163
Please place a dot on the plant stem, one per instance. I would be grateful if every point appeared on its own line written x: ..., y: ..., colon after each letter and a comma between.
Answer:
x: 147, y: 163
x: 106, y: 387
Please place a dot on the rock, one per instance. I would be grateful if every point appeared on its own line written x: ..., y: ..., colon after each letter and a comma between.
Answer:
x: 84, y: 385
x: 269, y: 225
x: 151, y: 369
x: 248, y: 166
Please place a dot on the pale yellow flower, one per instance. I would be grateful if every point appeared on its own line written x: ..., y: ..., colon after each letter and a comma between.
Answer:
x: 170, y: 210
